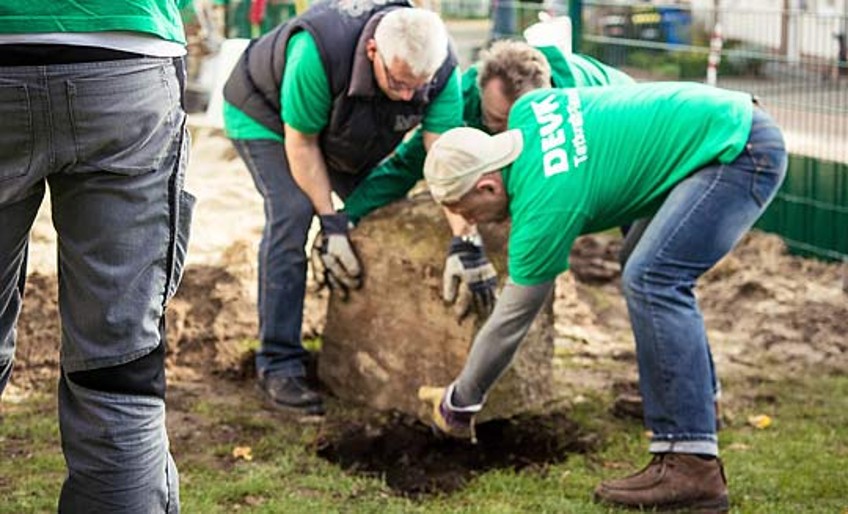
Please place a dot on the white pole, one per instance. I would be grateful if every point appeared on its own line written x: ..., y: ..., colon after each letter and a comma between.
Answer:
x: 715, y: 55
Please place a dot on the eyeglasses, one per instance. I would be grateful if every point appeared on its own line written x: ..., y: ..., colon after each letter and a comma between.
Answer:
x: 393, y: 83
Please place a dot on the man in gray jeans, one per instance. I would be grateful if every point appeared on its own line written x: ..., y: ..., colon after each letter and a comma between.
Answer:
x: 90, y: 104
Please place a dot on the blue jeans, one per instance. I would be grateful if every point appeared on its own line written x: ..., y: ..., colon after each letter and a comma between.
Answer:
x: 109, y: 138
x: 282, y: 254
x: 701, y: 220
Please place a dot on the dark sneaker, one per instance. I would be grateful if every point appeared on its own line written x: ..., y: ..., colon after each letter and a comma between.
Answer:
x: 292, y: 393
x: 672, y: 481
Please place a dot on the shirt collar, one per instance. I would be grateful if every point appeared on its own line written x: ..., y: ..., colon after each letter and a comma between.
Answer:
x: 362, y: 79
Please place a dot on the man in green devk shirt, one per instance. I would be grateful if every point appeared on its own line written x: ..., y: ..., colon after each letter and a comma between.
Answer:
x: 702, y: 163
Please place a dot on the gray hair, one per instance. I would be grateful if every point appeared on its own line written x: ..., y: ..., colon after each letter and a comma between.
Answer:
x: 415, y: 36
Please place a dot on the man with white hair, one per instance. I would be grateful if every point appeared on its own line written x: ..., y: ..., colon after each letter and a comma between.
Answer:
x: 701, y: 162
x: 311, y: 108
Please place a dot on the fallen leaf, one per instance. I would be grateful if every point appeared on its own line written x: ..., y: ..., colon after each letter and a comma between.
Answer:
x: 243, y: 452
x: 760, y: 421
x: 253, y: 501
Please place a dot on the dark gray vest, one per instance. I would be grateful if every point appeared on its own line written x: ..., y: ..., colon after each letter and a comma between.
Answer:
x: 365, y: 125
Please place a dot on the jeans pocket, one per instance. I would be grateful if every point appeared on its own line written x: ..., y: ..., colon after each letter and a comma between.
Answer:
x: 179, y: 247
x: 765, y: 175
x: 16, y: 152
x: 182, y: 208
x: 106, y: 137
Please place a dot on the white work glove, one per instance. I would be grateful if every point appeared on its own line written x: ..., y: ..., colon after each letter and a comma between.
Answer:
x: 469, y: 281
x: 454, y: 421
x: 334, y: 260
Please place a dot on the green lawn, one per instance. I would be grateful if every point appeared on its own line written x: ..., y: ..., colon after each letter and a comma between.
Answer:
x: 798, y: 464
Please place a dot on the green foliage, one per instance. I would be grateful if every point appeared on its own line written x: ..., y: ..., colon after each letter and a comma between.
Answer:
x: 742, y: 58
x: 693, y: 65
x: 737, y: 59
x: 659, y: 64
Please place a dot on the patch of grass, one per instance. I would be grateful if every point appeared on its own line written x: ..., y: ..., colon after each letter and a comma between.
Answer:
x: 795, y: 465
x: 31, y: 466
x: 799, y: 463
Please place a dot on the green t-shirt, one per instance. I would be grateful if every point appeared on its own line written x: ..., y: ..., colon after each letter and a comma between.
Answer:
x: 158, y: 17
x: 596, y: 158
x: 577, y: 70
x: 306, y: 100
x: 303, y: 78
x: 399, y: 172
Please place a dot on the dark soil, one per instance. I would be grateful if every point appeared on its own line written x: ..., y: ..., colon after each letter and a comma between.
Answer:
x: 414, y: 461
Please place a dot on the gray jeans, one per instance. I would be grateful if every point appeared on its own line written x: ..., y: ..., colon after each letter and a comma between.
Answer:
x: 109, y: 139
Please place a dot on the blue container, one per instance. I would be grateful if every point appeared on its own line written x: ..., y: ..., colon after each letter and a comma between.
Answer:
x: 676, y: 25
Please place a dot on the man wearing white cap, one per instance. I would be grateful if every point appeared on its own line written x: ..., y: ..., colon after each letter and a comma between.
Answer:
x: 703, y: 162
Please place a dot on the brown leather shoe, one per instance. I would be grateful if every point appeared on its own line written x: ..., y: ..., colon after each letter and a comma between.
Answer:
x: 672, y: 481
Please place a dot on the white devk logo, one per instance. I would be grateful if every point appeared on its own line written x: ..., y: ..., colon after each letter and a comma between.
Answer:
x: 553, y: 137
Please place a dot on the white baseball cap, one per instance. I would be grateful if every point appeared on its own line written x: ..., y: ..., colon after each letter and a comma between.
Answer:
x: 462, y: 155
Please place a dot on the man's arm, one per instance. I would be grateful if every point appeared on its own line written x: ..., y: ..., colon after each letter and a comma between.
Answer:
x: 309, y: 169
x: 498, y: 340
x: 333, y: 259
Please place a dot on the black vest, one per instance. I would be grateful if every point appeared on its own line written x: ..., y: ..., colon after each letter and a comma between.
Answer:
x: 365, y: 125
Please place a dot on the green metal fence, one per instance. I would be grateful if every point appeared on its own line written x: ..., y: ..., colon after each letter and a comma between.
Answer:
x: 811, y: 209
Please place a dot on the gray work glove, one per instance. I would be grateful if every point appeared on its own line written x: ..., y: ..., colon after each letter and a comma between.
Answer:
x: 334, y: 261
x: 469, y: 281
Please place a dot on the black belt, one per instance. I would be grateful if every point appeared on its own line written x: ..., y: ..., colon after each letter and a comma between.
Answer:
x: 42, y: 55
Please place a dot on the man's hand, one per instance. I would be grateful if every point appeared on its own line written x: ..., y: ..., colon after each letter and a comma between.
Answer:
x: 469, y: 280
x: 334, y: 261
x: 456, y: 422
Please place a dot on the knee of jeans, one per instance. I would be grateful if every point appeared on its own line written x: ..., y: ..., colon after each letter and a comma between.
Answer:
x: 289, y: 222
x: 144, y: 376
x: 290, y: 207
x: 632, y: 277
